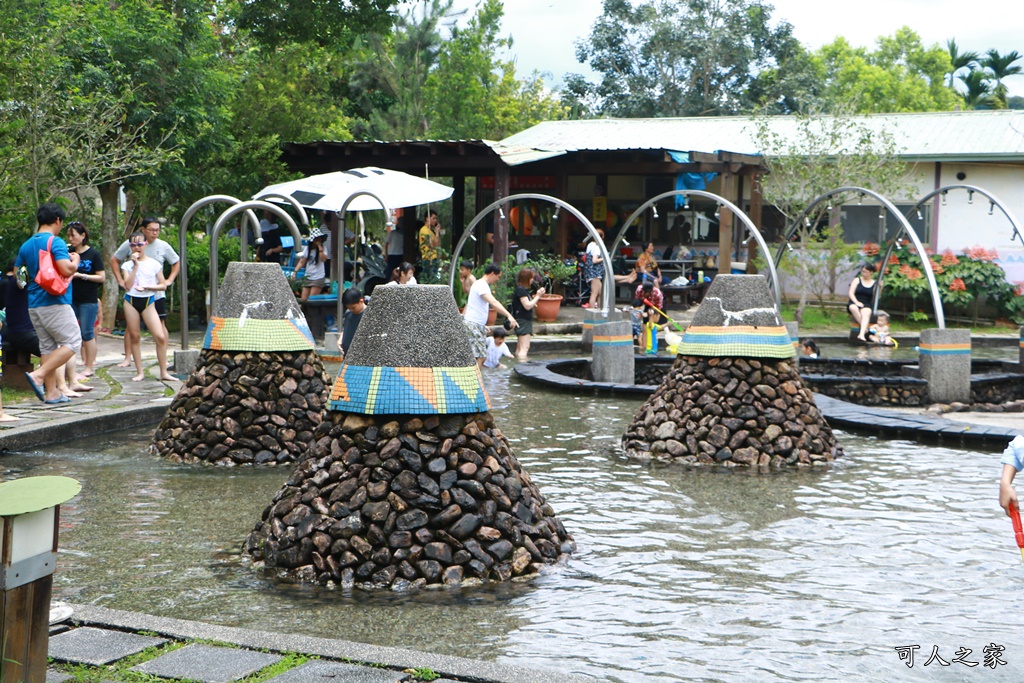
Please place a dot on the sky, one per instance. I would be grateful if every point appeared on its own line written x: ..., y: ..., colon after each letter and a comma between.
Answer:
x: 544, y: 32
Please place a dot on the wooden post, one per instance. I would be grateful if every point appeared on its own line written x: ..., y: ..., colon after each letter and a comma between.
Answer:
x: 756, y: 205
x: 725, y: 224
x: 458, y: 208
x: 29, y: 521
x: 502, y: 182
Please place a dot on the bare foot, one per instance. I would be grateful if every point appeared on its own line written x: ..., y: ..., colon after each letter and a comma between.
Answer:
x: 125, y: 363
x: 81, y: 387
x: 168, y: 378
x: 862, y: 339
x: 138, y: 378
x: 71, y: 394
x: 4, y: 417
x: 88, y: 373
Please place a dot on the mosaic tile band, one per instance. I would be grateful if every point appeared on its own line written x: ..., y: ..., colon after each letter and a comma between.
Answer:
x: 945, y: 349
x: 230, y: 334
x: 738, y: 341
x: 408, y: 391
x: 618, y: 340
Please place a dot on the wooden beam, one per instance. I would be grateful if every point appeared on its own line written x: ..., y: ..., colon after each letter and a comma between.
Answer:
x: 502, y: 182
x: 725, y: 220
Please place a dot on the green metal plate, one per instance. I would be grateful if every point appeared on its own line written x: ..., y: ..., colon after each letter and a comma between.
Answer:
x: 33, y: 494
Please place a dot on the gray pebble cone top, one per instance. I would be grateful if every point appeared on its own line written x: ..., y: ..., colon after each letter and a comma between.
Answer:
x: 260, y: 290
x: 737, y: 300
x: 411, y: 326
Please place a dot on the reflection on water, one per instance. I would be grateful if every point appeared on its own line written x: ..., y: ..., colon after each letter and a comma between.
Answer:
x: 680, y: 575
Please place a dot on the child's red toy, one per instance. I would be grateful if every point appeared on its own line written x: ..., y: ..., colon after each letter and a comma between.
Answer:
x: 1018, y: 530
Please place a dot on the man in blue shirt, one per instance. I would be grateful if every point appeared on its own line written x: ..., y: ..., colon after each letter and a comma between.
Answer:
x: 59, y: 335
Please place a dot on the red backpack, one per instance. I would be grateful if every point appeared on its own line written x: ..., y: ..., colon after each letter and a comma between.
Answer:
x: 48, y: 277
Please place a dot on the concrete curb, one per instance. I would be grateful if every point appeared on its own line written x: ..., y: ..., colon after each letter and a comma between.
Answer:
x: 91, y: 424
x: 390, y: 657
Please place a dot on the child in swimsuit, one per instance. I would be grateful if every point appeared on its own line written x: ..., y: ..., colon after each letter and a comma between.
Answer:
x: 142, y: 277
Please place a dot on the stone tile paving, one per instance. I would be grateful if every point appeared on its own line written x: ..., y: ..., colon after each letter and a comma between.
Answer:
x: 207, y: 663
x: 98, y: 646
x: 318, y: 670
x: 56, y: 677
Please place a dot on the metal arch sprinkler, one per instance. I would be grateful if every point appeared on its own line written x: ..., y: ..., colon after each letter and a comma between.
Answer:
x: 940, y: 318
x: 183, y: 247
x: 219, y: 225
x: 721, y: 201
x: 340, y: 246
x: 299, y: 208
x: 994, y: 201
x: 609, y: 280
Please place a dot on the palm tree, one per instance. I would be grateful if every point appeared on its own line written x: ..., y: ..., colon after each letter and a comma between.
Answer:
x: 959, y: 60
x: 1001, y: 66
x: 978, y: 93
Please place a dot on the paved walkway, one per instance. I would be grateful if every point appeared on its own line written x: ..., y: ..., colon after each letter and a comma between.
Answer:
x: 114, y: 645
x: 115, y: 402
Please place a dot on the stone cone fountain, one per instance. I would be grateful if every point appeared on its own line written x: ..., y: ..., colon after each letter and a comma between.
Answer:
x: 409, y: 482
x: 259, y: 390
x: 733, y: 396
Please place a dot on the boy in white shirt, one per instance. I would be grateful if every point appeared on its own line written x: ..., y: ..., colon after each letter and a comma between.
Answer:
x: 496, y: 348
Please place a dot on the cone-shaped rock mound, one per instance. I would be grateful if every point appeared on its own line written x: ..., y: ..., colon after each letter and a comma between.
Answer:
x: 401, y: 502
x: 259, y: 390
x: 409, y: 483
x: 734, y: 395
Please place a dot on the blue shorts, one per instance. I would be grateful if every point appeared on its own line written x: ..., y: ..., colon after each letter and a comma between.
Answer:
x: 86, y: 314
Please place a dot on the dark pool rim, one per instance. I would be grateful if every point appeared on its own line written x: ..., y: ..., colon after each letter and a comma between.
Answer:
x: 870, y: 420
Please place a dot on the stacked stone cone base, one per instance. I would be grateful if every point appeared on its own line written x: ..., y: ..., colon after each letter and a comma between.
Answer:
x: 732, y: 412
x: 404, y: 502
x: 245, y: 408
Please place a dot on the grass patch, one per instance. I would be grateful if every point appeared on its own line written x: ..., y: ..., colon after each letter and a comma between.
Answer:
x: 12, y: 396
x: 115, y: 386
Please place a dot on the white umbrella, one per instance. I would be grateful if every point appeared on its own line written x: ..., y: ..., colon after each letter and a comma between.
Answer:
x: 330, y: 191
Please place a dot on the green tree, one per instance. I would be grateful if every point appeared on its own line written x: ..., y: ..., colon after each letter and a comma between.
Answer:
x: 900, y: 75
x: 959, y: 60
x: 827, y: 150
x: 474, y: 92
x: 680, y: 57
x: 977, y: 90
x: 1001, y: 67
x: 391, y: 75
x: 323, y: 22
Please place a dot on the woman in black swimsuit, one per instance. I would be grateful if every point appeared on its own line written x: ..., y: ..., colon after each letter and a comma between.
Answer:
x: 862, y: 296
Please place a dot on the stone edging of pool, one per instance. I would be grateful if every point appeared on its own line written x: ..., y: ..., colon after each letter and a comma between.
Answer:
x: 867, y: 419
x: 361, y: 653
x: 75, y: 426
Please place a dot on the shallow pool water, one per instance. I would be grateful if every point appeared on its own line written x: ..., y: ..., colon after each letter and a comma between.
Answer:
x: 1003, y: 352
x: 680, y: 575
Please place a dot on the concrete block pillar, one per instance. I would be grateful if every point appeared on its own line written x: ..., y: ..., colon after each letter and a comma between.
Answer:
x: 594, y: 319
x: 185, y: 362
x: 794, y: 336
x: 613, y: 353
x: 946, y: 365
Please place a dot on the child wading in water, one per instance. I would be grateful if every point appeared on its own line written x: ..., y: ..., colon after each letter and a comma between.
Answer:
x: 142, y: 277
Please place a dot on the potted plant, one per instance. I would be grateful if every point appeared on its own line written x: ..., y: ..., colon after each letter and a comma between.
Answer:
x: 555, y: 272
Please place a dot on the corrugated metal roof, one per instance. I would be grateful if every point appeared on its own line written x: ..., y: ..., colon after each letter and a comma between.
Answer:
x: 945, y: 136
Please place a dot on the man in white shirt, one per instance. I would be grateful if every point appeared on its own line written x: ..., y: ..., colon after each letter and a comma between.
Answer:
x: 477, y: 308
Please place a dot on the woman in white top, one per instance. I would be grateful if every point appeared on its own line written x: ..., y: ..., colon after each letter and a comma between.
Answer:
x: 403, y: 275
x: 142, y: 277
x: 593, y: 271
x: 313, y: 258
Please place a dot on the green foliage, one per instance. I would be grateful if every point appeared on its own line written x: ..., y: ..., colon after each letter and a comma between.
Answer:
x: 1000, y: 67
x: 392, y: 72
x: 552, y: 269
x: 901, y: 74
x: 474, y: 92
x: 327, y: 23
x: 424, y: 674
x: 963, y: 280
x: 684, y: 58
x: 828, y: 149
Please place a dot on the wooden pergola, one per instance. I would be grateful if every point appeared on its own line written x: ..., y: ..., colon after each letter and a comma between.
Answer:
x: 459, y: 159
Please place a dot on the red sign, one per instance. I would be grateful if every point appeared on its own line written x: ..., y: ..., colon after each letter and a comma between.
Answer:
x: 522, y: 182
